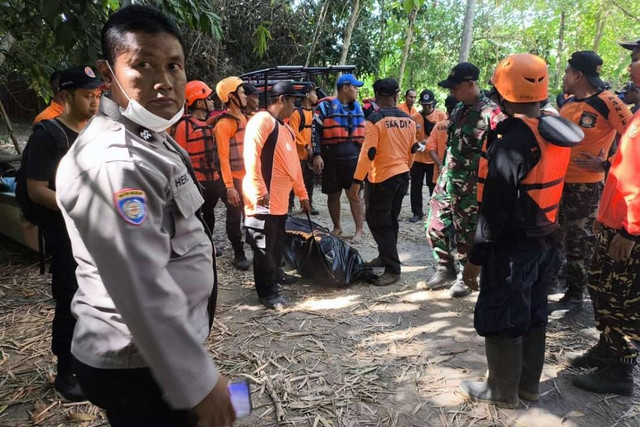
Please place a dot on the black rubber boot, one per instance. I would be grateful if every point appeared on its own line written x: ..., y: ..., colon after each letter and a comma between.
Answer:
x: 504, y: 360
x: 66, y: 383
x: 615, y: 378
x: 597, y: 356
x: 533, y: 346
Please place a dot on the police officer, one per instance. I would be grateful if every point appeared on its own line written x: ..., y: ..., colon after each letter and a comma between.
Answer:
x: 146, y: 272
x: 614, y: 272
x: 454, y: 203
x: 520, y: 187
x: 386, y: 157
x: 338, y: 132
x: 79, y: 92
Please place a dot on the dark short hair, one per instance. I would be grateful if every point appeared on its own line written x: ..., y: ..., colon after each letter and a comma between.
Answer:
x: 409, y: 90
x: 134, y: 19
x: 54, y: 81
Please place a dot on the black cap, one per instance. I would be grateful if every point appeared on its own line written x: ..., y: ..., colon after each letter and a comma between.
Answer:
x: 450, y: 103
x: 79, y: 78
x: 463, y: 72
x: 308, y: 87
x: 249, y: 89
x: 427, y: 97
x: 588, y: 63
x: 285, y: 88
x: 386, y: 87
x: 630, y: 45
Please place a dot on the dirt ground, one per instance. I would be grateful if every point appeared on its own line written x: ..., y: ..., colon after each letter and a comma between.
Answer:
x: 358, y: 356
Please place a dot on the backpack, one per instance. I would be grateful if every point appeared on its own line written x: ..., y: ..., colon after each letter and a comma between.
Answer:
x: 33, y: 212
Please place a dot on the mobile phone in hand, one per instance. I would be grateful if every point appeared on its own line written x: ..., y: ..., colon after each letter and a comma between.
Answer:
x: 241, y: 398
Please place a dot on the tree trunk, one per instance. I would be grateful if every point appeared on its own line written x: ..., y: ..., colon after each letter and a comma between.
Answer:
x: 407, y: 45
x: 5, y: 45
x: 318, y: 31
x: 601, y: 18
x: 381, y: 39
x: 467, y: 31
x: 560, y: 48
x: 349, y: 31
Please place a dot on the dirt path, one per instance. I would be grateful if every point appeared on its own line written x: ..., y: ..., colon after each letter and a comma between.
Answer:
x: 360, y: 356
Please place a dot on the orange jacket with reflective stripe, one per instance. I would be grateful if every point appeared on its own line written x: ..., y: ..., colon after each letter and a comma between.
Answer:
x: 196, y: 137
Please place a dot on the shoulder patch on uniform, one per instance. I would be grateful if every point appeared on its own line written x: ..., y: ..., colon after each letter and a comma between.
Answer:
x: 131, y: 204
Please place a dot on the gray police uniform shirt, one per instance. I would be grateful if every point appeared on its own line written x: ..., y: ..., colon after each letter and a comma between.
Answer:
x: 145, y: 266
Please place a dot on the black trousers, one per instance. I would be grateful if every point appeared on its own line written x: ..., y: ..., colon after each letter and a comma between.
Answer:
x: 266, y: 235
x: 309, y: 178
x: 130, y: 397
x: 513, y: 292
x: 420, y: 172
x: 383, y: 204
x: 63, y: 287
x: 214, y: 191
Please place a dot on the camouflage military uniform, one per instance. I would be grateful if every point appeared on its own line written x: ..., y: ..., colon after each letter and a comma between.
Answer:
x: 614, y: 288
x: 454, y: 205
x: 578, y: 210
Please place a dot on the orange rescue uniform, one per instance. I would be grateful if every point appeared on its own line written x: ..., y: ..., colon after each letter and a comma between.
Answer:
x: 388, y: 139
x: 52, y: 111
x: 303, y: 137
x: 404, y: 107
x: 600, y: 117
x: 421, y: 132
x: 438, y: 142
x: 620, y: 203
x: 272, y: 165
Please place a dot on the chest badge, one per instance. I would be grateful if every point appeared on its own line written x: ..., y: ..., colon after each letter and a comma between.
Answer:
x: 131, y: 204
x: 145, y: 134
x: 587, y: 120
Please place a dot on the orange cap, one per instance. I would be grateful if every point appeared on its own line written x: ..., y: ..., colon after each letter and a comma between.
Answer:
x: 195, y: 90
x: 227, y: 86
x: 522, y: 78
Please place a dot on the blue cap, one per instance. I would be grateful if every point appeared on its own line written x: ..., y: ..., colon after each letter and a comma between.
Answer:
x: 348, y: 79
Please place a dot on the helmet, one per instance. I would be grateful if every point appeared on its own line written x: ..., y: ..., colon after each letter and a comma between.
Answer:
x: 195, y: 90
x: 227, y: 86
x: 522, y: 78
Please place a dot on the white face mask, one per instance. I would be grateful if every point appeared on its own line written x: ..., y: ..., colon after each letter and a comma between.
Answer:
x: 140, y: 115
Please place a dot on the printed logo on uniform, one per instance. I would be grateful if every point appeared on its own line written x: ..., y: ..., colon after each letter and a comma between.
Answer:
x: 131, y: 204
x: 587, y: 120
x: 89, y: 72
x: 145, y: 134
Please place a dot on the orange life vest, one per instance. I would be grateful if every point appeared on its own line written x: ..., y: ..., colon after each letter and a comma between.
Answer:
x: 236, y: 143
x: 544, y: 183
x: 197, y: 138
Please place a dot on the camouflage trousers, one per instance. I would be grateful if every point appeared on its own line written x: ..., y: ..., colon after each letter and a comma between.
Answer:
x: 578, y: 210
x: 453, y: 215
x: 614, y: 288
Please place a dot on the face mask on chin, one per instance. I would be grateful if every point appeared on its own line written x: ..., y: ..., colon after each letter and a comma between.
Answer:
x: 140, y: 115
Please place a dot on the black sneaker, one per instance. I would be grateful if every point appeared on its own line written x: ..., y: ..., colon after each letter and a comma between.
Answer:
x: 67, y: 386
x: 440, y: 278
x: 376, y: 262
x: 274, y: 301
x: 314, y: 211
x: 416, y: 218
x: 286, y: 279
x: 386, y: 279
x: 242, y: 264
